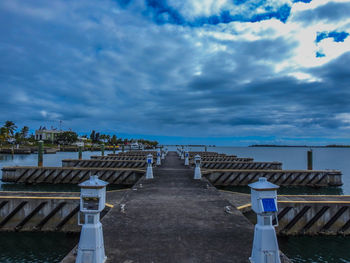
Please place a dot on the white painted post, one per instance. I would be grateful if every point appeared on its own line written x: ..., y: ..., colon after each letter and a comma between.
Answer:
x: 92, y: 202
x: 163, y: 155
x: 149, y: 173
x: 264, y: 204
x: 186, y: 158
x: 197, y: 169
x: 158, y: 157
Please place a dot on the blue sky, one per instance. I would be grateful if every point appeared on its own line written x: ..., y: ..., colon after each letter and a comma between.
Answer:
x: 225, y: 72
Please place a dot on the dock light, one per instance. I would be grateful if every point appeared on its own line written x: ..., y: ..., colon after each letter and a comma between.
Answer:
x: 264, y: 204
x: 149, y: 173
x: 92, y: 202
x: 186, y: 158
x: 158, y: 157
x: 197, y: 169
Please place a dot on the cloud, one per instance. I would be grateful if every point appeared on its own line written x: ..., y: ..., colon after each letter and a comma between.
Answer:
x: 168, y: 68
x: 328, y: 12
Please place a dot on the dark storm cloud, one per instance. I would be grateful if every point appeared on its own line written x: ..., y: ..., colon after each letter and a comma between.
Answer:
x: 332, y: 11
x: 112, y: 68
x: 163, y: 13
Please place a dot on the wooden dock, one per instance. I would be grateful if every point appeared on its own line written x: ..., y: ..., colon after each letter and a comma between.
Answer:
x: 174, y: 218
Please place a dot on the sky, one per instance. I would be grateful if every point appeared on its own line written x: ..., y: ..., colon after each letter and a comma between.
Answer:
x: 224, y: 72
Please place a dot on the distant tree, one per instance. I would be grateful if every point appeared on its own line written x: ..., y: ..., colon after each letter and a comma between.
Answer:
x: 97, y: 137
x: 67, y: 137
x: 24, y: 132
x: 92, y: 135
x: 103, y: 137
x: 4, y: 134
x: 18, y: 137
x: 114, y: 139
x: 11, y: 127
x: 108, y: 138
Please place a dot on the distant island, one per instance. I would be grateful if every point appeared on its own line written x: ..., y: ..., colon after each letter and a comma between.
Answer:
x: 307, y: 146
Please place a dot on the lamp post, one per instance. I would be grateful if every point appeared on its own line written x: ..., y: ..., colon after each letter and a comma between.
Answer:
x: 92, y: 202
x: 197, y: 169
x: 149, y: 172
x: 264, y: 204
x: 158, y: 157
x: 186, y: 158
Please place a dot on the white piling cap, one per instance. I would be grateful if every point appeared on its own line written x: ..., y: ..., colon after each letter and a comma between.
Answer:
x: 93, y: 182
x: 263, y: 184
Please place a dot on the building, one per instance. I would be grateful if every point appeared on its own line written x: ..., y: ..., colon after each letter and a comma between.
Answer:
x: 46, y: 135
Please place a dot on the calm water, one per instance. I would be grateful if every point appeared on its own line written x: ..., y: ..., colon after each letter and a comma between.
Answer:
x: 26, y: 247
x: 35, y: 247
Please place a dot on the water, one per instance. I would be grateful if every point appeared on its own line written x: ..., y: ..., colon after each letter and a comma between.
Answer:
x: 35, y: 247
x: 27, y: 247
x: 316, y: 249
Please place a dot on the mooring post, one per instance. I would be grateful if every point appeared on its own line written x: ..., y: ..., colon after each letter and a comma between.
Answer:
x: 102, y: 149
x: 92, y: 202
x: 264, y: 204
x: 40, y: 153
x: 149, y: 172
x: 197, y: 169
x: 309, y: 159
x: 113, y: 148
x: 80, y: 155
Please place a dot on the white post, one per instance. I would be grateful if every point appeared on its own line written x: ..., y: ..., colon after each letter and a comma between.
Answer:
x: 264, y: 204
x: 158, y: 157
x: 163, y: 155
x: 92, y: 202
x: 186, y: 158
x: 197, y: 169
x: 149, y: 173
x: 182, y: 154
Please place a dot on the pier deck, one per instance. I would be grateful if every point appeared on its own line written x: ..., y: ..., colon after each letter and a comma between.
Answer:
x: 174, y: 218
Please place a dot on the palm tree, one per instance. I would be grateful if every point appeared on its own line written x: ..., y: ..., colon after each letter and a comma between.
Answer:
x: 24, y: 131
x: 11, y: 127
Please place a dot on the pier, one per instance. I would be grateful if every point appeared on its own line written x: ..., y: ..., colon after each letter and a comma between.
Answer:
x: 303, y: 214
x: 44, y: 211
x: 69, y: 175
x: 174, y: 218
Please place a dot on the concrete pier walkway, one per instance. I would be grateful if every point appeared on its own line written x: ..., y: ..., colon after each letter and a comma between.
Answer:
x: 174, y: 218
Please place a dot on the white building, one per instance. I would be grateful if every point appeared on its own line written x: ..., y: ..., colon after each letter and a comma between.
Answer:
x: 46, y: 135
